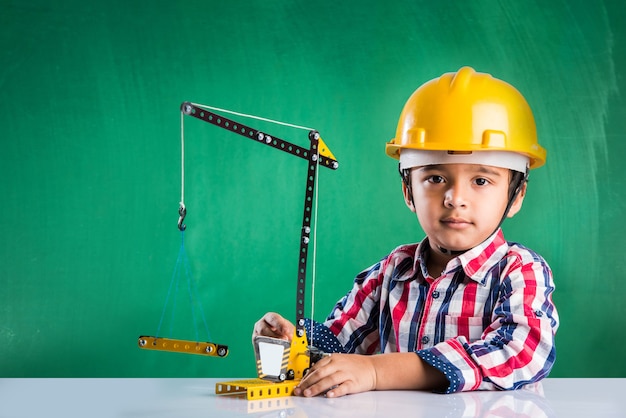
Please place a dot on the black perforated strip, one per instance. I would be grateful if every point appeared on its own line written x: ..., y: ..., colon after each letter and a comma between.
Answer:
x: 258, y: 136
x: 306, y: 231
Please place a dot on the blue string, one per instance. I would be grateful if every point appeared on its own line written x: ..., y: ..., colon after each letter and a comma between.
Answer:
x: 175, y: 277
x: 191, y: 288
x: 193, y: 311
x: 193, y: 291
x: 173, y: 314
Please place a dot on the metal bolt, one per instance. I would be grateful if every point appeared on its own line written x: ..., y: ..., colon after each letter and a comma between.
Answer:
x: 301, y: 322
x: 305, y: 240
x: 335, y: 164
x: 268, y: 139
x: 314, y: 157
x: 260, y: 136
x: 142, y: 342
x: 300, y: 332
x: 307, y: 229
x: 209, y: 349
x: 221, y: 352
x: 187, y: 108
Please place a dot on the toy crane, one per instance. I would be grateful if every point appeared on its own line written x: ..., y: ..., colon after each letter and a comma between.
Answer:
x: 280, y: 364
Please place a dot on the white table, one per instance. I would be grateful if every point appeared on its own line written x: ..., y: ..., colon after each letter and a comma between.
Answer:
x: 157, y: 398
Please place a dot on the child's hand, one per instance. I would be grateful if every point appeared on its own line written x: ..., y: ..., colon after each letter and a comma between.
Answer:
x: 274, y: 325
x: 338, y: 375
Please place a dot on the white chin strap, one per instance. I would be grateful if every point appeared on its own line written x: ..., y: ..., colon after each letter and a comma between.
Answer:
x: 506, y: 159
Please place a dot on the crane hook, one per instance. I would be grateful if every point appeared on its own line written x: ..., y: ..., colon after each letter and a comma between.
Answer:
x: 182, y: 211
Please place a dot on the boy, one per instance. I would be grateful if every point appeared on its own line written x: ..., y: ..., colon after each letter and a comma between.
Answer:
x: 463, y: 309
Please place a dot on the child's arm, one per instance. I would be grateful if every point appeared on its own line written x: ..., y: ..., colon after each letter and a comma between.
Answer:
x: 352, y: 373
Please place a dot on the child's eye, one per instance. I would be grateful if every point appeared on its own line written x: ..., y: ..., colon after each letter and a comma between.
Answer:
x: 481, y: 181
x: 435, y: 179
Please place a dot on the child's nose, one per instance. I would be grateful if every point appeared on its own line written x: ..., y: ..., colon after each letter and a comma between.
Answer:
x: 454, y: 197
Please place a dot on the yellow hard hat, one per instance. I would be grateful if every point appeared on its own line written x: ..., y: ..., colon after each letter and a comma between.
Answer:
x: 467, y: 117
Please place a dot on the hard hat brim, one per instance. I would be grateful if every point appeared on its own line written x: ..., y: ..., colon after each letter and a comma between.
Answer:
x: 505, y: 159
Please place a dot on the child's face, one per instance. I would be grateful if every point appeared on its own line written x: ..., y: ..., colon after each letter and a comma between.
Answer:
x: 460, y: 205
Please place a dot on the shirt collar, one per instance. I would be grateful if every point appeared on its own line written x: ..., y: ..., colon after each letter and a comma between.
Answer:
x: 480, y: 259
x: 475, y: 262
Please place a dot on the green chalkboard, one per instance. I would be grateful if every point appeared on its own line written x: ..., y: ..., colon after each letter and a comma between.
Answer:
x: 90, y: 166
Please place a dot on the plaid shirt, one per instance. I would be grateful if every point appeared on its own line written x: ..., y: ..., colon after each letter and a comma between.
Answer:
x: 488, y: 322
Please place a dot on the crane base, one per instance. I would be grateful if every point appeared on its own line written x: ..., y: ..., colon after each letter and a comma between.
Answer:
x: 256, y: 388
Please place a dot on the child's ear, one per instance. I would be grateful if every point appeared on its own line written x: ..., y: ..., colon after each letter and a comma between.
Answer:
x: 517, y: 204
x: 407, y: 197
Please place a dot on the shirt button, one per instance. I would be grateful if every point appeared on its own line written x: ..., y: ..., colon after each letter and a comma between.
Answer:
x: 425, y: 339
x: 435, y: 294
